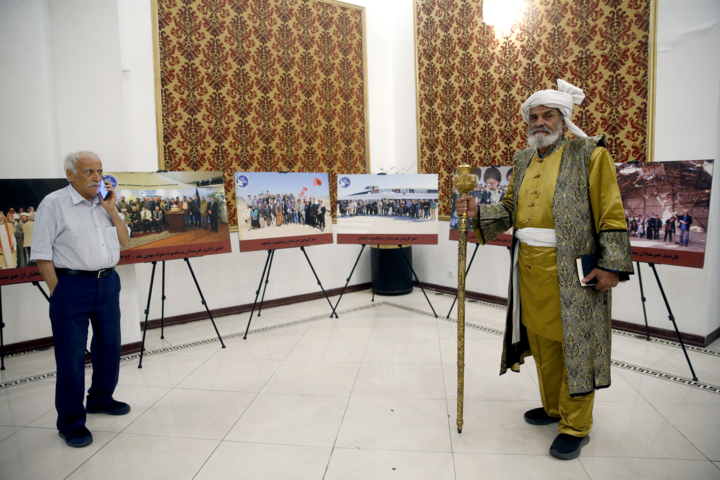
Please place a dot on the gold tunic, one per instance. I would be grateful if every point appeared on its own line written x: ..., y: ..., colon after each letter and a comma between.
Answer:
x: 539, y: 286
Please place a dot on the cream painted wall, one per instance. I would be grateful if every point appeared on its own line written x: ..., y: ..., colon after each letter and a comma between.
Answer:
x: 81, y: 73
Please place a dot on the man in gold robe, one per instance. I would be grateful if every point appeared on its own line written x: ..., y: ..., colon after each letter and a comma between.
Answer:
x: 563, y: 202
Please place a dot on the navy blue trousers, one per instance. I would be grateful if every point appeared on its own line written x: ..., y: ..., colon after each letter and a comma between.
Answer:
x: 75, y: 302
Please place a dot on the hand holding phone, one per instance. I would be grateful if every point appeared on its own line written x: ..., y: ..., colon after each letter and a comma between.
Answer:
x: 102, y: 190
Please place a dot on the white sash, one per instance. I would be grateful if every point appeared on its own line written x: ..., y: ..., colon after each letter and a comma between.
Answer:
x: 535, y: 237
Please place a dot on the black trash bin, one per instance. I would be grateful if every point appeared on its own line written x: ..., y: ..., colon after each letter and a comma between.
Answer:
x: 391, y: 274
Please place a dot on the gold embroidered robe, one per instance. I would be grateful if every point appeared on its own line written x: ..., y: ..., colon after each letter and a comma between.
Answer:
x: 585, y: 203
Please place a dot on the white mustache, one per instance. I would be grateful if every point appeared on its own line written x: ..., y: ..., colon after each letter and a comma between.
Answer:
x: 94, y: 184
x: 540, y: 129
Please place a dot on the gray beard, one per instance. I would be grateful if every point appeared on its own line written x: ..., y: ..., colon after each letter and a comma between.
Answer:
x: 536, y: 140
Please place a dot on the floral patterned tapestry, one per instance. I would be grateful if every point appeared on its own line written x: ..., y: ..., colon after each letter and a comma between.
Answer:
x: 261, y: 85
x: 470, y: 85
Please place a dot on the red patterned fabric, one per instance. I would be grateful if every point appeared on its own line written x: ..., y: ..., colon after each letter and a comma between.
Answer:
x: 261, y: 85
x: 471, y: 85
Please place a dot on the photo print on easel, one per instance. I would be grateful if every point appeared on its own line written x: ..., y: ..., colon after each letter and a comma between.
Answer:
x: 388, y: 209
x: 667, y: 210
x: 492, y: 183
x: 19, y: 200
x: 282, y: 210
x: 171, y: 214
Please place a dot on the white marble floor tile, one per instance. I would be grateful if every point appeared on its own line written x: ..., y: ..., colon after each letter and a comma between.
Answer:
x: 193, y: 414
x: 328, y: 349
x: 618, y: 391
x: 139, y: 398
x: 499, y: 427
x: 159, y: 370
x: 402, y: 350
x: 225, y: 371
x: 271, y: 345
x: 5, y: 432
x: 449, y: 330
x: 654, y: 468
x: 40, y: 454
x: 656, y: 390
x: 638, y: 351
x: 395, y: 424
x: 484, y: 382
x: 707, y: 367
x: 404, y: 327
x: 355, y: 324
x: 313, y: 378
x: 23, y: 404
x: 147, y: 457
x: 486, y: 351
x: 636, y: 429
x: 399, y: 380
x: 352, y: 464
x: 290, y: 420
x: 527, y: 467
x: 253, y: 461
x: 699, y: 423
x: 35, y: 363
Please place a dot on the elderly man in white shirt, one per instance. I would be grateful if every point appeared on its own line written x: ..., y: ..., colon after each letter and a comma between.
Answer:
x: 76, y: 244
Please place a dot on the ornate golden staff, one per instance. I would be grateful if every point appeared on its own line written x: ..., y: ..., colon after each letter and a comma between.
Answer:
x: 464, y: 182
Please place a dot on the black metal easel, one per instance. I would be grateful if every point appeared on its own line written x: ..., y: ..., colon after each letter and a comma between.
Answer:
x: 349, y: 277
x: 671, y: 317
x: 266, y: 269
x: 466, y: 272
x: 417, y: 279
x: 147, y: 308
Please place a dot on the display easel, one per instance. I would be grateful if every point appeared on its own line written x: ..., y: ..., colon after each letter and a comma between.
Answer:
x: 162, y: 319
x: 671, y: 317
x: 349, y: 277
x: 417, y: 279
x: 2, y: 323
x: 266, y: 269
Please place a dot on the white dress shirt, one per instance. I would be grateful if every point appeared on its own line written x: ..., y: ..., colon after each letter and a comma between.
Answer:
x: 74, y: 233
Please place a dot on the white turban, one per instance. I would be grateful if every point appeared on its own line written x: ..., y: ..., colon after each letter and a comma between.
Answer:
x: 563, y: 99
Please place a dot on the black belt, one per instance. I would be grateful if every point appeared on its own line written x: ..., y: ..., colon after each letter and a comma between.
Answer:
x: 86, y: 273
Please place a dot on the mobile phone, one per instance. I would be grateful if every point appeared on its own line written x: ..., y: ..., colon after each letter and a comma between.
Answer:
x: 103, y: 191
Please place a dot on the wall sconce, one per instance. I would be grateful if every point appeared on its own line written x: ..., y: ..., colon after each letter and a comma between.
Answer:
x: 501, y: 14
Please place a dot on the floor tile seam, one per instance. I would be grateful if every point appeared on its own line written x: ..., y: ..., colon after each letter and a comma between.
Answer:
x: 275, y: 444
x: 91, y: 456
x: 347, y: 404
x: 19, y: 429
x: 668, y: 420
x: 677, y: 379
x: 148, y: 353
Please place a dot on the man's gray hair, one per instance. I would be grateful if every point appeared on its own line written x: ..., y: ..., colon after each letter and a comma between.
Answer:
x: 71, y: 159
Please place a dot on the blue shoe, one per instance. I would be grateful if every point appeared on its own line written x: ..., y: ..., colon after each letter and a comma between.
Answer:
x: 77, y: 437
x: 112, y: 408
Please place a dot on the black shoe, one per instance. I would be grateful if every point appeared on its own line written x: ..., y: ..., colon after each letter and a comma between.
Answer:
x: 567, y: 446
x: 538, y: 416
x: 112, y: 408
x: 77, y: 437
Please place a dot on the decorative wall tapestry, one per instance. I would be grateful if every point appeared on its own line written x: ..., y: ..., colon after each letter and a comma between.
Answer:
x: 470, y: 85
x: 261, y: 85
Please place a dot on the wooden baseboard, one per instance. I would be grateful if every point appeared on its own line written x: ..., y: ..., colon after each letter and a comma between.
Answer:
x: 234, y: 310
x: 37, y: 344
x: 665, y: 334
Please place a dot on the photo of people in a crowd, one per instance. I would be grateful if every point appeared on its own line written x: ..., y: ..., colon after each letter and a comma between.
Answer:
x: 492, y: 184
x: 383, y: 208
x: 171, y: 209
x: 19, y: 199
x: 667, y: 208
x: 282, y: 210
